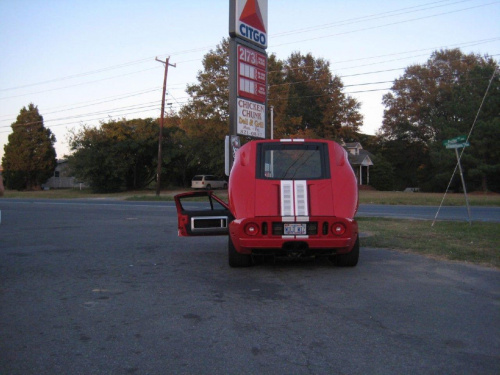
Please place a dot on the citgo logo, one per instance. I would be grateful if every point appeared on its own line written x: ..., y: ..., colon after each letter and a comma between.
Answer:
x: 252, y: 25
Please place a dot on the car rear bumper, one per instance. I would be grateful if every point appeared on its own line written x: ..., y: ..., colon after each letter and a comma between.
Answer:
x: 264, y: 241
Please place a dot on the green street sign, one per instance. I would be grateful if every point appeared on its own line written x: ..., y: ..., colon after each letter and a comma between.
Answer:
x: 457, y: 142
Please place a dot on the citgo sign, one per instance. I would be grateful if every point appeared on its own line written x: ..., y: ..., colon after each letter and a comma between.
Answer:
x: 250, y: 22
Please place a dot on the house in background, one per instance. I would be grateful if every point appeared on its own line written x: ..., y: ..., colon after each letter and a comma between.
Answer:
x: 62, y: 178
x: 360, y: 160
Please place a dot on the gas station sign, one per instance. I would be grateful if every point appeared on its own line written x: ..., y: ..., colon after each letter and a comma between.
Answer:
x: 247, y: 69
x: 248, y: 21
x: 252, y: 67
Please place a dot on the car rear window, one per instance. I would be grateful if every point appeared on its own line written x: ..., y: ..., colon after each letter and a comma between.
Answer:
x: 197, y: 178
x: 293, y: 161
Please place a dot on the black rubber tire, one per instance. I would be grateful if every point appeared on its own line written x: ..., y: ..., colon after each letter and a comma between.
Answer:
x: 225, y: 186
x: 351, y: 258
x: 208, y: 187
x: 236, y: 259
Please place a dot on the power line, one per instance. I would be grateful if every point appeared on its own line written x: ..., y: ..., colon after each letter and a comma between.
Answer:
x: 342, y: 23
x: 148, y: 105
x: 355, y: 20
x: 384, y: 25
x: 77, y: 84
x: 463, y: 44
x: 287, y: 83
x: 396, y: 12
x: 187, y: 98
x: 113, y: 67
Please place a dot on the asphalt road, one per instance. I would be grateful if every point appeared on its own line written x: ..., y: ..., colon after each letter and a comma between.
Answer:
x: 100, y: 287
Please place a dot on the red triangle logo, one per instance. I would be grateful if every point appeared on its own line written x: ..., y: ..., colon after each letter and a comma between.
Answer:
x: 251, y: 15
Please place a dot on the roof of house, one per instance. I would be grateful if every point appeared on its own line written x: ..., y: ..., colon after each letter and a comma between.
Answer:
x: 363, y: 158
x: 353, y: 145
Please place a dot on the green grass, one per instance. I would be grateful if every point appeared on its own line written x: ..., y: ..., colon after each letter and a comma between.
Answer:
x: 427, y: 199
x: 453, y: 240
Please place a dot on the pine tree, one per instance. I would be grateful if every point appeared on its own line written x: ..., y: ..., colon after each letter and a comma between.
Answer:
x: 29, y: 157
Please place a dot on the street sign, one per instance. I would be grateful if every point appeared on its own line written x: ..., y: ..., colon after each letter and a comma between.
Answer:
x: 458, y: 145
x: 457, y: 142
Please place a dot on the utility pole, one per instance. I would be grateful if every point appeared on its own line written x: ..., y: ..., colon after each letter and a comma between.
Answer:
x: 272, y: 122
x: 160, y: 136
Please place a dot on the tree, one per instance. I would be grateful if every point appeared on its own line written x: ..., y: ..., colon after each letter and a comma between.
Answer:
x: 315, y: 103
x: 117, y: 155
x: 437, y: 101
x: 205, y: 119
x: 29, y: 156
x: 382, y: 174
x: 308, y: 102
x: 210, y: 97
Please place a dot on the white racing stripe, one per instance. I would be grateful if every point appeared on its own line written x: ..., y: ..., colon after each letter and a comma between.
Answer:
x: 287, y: 204
x: 294, y: 204
x: 294, y: 200
x: 301, y: 201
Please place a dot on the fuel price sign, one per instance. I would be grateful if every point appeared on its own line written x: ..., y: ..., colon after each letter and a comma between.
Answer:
x: 252, y: 67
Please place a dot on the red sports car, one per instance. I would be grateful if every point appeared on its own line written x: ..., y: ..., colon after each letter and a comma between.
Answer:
x: 286, y: 198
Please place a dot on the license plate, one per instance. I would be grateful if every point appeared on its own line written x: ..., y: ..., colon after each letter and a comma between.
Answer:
x: 294, y: 229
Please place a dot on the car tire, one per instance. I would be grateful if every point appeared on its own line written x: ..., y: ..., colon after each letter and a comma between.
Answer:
x: 351, y: 258
x: 225, y: 186
x: 236, y: 259
x: 209, y: 187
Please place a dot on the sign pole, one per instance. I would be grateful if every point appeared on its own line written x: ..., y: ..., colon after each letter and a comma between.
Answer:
x: 233, y: 85
x: 463, y: 184
x: 247, y: 71
x: 456, y: 143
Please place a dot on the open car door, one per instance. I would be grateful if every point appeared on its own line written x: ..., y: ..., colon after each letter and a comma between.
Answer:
x: 201, y: 213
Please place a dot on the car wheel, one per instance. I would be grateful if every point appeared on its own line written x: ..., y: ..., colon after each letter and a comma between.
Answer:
x: 236, y: 259
x: 225, y: 186
x: 209, y: 187
x: 351, y: 258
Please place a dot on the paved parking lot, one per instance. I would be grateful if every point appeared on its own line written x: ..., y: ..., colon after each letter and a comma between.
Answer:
x: 109, y: 288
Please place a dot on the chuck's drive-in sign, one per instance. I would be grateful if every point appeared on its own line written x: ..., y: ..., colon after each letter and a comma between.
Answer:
x: 248, y: 21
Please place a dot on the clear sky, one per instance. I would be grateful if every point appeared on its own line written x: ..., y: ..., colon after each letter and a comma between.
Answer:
x: 87, y: 61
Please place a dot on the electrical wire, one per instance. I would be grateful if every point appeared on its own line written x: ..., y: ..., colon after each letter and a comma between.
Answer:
x: 154, y: 104
x: 78, y: 84
x: 384, y: 25
x: 359, y: 19
x: 384, y: 15
x: 313, y: 28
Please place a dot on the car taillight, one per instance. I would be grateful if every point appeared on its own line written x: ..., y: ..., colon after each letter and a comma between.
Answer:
x: 251, y: 229
x: 338, y: 229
